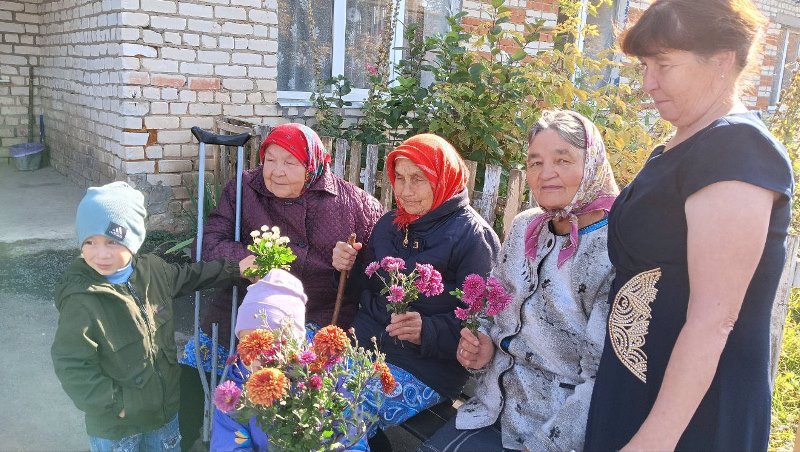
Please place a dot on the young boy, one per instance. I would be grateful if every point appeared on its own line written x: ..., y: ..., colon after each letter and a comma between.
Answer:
x: 114, y: 350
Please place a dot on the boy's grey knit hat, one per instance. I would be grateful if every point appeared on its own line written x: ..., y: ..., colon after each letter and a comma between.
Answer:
x: 115, y: 210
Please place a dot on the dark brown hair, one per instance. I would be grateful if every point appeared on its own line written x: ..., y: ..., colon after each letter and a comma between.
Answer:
x: 703, y: 27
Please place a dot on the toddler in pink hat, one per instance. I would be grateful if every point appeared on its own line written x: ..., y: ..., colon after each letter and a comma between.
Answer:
x: 275, y: 299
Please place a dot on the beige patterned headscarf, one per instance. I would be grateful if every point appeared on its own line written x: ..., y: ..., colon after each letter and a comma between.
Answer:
x: 597, y: 192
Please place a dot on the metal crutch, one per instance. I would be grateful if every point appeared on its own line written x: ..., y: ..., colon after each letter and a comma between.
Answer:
x: 239, y: 140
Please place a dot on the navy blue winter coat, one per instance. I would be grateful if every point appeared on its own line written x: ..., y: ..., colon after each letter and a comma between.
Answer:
x: 457, y: 241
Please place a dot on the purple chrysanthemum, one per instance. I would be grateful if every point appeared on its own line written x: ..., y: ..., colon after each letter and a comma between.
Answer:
x: 396, y: 294
x: 226, y: 396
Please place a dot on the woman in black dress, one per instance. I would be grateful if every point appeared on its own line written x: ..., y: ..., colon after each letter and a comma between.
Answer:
x: 698, y: 243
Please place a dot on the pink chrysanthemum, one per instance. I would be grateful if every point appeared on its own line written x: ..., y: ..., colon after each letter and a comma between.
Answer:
x: 226, y: 396
x: 497, y: 298
x: 393, y: 264
x: 315, y: 382
x: 396, y: 294
x: 372, y: 268
x: 462, y: 314
x: 429, y: 281
x: 473, y: 287
x: 306, y: 357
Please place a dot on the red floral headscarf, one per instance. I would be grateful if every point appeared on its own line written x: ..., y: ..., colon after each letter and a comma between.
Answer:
x: 304, y: 144
x: 440, y: 163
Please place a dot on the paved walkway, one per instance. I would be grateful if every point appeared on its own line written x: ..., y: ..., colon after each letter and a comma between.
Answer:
x: 37, y: 239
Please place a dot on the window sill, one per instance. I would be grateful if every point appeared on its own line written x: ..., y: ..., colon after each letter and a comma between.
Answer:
x: 303, y: 99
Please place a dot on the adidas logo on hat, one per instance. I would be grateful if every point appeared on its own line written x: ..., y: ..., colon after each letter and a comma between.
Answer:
x: 116, y: 232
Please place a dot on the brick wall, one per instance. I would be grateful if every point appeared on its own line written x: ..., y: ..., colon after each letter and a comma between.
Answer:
x: 79, y: 76
x: 19, y: 28
x: 123, y: 81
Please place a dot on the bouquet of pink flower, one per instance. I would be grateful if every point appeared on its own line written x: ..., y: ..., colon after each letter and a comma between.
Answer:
x: 484, y: 299
x: 402, y: 289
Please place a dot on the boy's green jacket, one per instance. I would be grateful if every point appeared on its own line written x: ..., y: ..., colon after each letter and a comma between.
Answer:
x: 115, y: 349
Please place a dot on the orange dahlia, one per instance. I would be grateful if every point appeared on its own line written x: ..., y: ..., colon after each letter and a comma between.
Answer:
x: 266, y: 386
x: 330, y: 341
x: 256, y: 344
x: 387, y: 379
x: 316, y: 365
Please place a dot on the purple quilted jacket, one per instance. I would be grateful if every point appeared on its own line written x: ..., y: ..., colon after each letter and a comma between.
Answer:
x: 326, y: 213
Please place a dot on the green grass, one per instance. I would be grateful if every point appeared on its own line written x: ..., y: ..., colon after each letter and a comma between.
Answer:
x: 786, y: 398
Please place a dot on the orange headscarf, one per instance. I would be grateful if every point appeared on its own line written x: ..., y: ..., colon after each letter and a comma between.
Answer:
x: 440, y: 163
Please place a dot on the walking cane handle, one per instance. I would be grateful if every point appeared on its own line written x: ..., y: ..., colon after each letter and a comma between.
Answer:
x: 342, y: 282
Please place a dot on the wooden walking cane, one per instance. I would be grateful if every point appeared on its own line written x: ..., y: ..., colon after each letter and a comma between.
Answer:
x: 342, y: 281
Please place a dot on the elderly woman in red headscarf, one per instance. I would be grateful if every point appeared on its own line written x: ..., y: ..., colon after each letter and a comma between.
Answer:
x: 433, y: 224
x: 295, y: 190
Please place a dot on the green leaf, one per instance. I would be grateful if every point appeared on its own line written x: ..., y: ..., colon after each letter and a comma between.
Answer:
x: 519, y: 54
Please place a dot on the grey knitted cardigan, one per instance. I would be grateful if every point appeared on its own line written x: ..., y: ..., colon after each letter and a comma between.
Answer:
x: 541, y: 386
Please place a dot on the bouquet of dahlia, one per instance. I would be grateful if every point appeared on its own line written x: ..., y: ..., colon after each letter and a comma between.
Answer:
x: 402, y: 289
x: 306, y: 397
x: 484, y: 299
x: 271, y: 251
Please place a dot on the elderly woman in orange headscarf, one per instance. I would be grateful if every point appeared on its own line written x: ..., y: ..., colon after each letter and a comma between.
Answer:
x: 433, y: 224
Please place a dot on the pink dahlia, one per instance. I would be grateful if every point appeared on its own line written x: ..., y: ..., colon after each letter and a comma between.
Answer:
x: 226, y: 396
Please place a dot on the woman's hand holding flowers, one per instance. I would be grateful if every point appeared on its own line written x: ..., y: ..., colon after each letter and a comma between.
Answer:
x: 247, y: 263
x: 406, y: 327
x: 475, y: 350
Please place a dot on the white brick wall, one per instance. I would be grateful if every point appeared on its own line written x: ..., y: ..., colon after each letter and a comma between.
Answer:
x: 19, y: 28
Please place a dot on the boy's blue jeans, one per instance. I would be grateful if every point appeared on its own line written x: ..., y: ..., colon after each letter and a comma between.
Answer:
x: 164, y: 439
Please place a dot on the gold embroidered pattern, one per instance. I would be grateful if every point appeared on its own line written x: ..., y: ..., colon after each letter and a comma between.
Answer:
x: 629, y: 321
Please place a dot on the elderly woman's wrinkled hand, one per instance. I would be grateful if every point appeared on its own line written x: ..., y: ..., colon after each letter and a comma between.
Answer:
x: 344, y: 255
x: 406, y: 327
x: 474, y: 352
x: 247, y: 262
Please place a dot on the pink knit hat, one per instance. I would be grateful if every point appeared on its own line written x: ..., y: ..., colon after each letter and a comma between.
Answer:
x: 279, y: 295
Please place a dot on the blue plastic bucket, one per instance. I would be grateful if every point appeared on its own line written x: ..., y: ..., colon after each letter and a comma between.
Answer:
x: 27, y: 156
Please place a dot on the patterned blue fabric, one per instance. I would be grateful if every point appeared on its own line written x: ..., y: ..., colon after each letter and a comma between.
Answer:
x: 188, y: 357
x: 409, y: 397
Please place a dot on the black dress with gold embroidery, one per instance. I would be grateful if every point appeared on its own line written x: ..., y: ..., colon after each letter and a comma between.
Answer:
x: 649, y: 297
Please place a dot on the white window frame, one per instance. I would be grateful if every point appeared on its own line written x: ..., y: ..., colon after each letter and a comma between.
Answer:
x: 780, y: 70
x: 620, y: 16
x: 339, y: 21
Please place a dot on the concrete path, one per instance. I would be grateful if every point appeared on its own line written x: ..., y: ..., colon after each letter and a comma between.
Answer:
x: 37, y: 241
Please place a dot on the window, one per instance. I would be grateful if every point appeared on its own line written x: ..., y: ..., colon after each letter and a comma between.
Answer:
x: 608, y: 20
x: 344, y: 36
x: 786, y: 63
